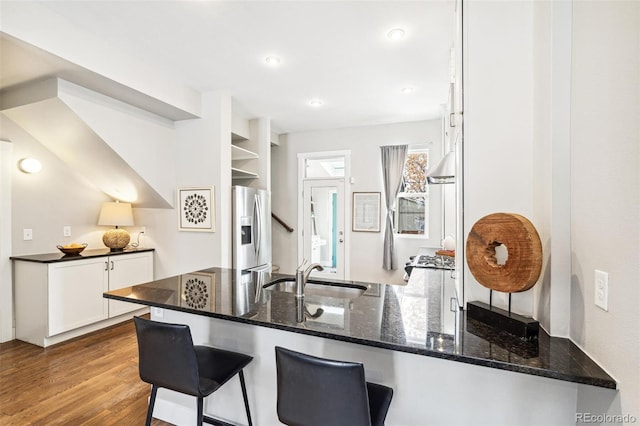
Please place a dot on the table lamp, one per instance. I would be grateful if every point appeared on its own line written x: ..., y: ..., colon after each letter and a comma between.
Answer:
x: 116, y: 214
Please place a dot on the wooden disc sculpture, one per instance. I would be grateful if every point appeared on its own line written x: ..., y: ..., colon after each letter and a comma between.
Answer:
x: 524, y: 252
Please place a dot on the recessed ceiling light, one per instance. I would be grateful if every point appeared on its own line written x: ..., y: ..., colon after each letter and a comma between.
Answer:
x: 316, y: 103
x: 407, y: 90
x: 272, y: 60
x: 396, y: 34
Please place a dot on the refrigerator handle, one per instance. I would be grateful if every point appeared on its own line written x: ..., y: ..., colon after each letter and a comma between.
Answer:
x: 254, y: 228
x: 259, y: 226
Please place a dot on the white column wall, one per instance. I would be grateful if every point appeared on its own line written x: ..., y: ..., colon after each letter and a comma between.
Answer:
x: 605, y: 191
x: 6, y: 288
x: 498, y: 150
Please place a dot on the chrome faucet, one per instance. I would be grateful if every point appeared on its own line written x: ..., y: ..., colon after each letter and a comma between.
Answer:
x: 303, y: 276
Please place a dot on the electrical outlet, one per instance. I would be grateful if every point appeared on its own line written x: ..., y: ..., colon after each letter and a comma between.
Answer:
x: 602, y: 290
x: 66, y: 231
x: 27, y: 234
x: 157, y: 312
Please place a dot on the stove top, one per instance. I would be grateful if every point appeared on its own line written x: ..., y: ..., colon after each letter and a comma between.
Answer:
x: 438, y: 262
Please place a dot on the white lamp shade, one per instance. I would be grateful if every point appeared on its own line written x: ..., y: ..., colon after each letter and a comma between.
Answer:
x: 116, y: 214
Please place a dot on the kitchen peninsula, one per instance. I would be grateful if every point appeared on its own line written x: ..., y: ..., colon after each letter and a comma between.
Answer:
x: 406, y: 336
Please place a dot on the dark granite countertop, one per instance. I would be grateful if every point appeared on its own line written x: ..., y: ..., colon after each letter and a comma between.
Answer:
x: 415, y: 318
x: 86, y: 254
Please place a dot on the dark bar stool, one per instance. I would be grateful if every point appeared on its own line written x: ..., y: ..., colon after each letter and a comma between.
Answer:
x: 315, y: 391
x: 168, y: 359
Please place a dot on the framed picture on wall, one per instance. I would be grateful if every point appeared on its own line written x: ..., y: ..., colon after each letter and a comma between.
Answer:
x: 366, y: 212
x: 197, y: 210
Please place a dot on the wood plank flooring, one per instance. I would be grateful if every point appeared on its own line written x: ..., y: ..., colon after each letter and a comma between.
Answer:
x: 91, y: 380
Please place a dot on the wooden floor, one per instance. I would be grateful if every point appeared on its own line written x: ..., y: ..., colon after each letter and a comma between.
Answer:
x: 91, y: 380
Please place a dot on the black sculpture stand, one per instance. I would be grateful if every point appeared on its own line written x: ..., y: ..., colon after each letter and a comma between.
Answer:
x: 518, y: 325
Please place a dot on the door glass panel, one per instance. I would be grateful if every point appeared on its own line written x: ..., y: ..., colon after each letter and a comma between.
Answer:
x: 323, y: 227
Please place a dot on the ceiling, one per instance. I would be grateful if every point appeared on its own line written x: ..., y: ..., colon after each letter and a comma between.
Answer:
x: 335, y: 51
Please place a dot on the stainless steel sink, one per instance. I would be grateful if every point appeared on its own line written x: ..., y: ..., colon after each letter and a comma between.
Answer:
x: 335, y: 290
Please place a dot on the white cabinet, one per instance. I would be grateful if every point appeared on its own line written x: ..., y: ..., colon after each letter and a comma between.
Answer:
x: 125, y: 271
x: 58, y: 300
x: 74, y: 294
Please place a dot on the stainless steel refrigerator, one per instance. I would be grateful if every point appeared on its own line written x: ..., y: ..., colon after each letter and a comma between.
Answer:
x: 251, y: 217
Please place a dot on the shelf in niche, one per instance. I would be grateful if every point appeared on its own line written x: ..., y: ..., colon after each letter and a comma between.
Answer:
x: 242, y: 174
x: 235, y: 137
x: 238, y: 153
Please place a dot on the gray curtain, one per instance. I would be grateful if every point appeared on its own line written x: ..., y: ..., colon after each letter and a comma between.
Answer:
x: 393, y: 158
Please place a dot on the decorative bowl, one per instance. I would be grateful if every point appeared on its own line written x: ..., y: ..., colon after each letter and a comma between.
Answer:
x: 72, y: 249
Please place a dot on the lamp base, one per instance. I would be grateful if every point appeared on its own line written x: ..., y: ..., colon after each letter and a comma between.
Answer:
x: 518, y: 325
x: 116, y: 239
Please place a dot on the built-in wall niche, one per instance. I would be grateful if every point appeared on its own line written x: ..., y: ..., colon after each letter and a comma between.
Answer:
x: 251, y: 141
x: 243, y: 160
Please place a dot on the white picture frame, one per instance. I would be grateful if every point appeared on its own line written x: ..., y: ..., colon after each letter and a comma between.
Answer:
x: 366, y: 212
x: 196, y: 209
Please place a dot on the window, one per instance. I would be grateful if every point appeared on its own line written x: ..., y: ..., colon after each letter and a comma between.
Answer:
x: 324, y: 167
x: 412, y: 204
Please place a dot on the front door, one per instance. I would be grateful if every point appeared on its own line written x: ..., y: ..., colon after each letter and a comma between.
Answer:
x: 324, y: 226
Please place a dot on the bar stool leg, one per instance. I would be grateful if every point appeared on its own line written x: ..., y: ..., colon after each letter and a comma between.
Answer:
x: 152, y: 402
x: 244, y: 396
x: 200, y: 410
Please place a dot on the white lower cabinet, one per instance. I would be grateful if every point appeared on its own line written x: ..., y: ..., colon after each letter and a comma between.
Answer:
x: 125, y: 271
x: 61, y: 300
x: 75, y: 294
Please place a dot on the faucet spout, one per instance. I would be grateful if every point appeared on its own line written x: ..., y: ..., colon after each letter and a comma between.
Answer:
x: 303, y: 276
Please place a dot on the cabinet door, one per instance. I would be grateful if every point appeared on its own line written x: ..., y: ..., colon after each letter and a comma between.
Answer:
x: 127, y: 270
x: 75, y: 294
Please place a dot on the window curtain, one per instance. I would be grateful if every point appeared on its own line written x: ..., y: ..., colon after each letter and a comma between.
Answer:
x: 393, y: 158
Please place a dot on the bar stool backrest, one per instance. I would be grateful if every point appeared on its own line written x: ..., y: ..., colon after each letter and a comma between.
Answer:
x: 315, y: 391
x: 167, y: 356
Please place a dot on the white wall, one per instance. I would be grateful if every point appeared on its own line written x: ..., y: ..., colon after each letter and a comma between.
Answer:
x: 605, y: 188
x: 364, y: 143
x: 189, y: 156
x: 498, y: 126
x: 34, y: 23
x: 45, y: 202
x: 6, y: 287
x: 524, y: 99
x: 202, y: 158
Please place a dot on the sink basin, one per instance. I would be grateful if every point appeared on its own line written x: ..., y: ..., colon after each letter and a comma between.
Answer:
x: 335, y: 290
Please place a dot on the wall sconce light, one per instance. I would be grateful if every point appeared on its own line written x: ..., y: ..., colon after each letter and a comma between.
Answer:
x: 116, y: 214
x: 29, y: 165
